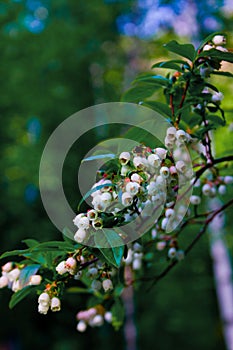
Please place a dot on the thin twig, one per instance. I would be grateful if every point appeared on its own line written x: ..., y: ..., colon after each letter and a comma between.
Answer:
x: 190, y: 246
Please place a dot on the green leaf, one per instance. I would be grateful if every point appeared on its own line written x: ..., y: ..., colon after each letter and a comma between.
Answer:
x: 14, y: 253
x: 216, y: 54
x: 159, y: 107
x: 20, y: 295
x: 113, y: 245
x: 138, y: 93
x: 216, y: 119
x: 99, y: 156
x: 184, y: 50
x: 39, y: 257
x: 26, y: 273
x: 226, y: 74
x: 118, y: 314
x: 152, y: 79
x: 30, y: 242
x: 172, y: 64
x: 211, y: 87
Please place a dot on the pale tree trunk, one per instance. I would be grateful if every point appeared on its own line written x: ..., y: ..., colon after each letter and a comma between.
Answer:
x: 130, y: 331
x: 223, y: 274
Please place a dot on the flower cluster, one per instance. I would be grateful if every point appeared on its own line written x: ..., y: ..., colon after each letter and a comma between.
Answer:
x: 10, y: 278
x: 93, y: 317
x: 217, y: 43
x: 46, y: 302
x: 145, y: 176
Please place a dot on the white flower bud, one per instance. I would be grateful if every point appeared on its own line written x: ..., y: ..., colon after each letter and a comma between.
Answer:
x: 91, y: 312
x: 92, y: 272
x: 160, y: 182
x: 132, y: 188
x: 137, y: 247
x: 213, y: 192
x: 169, y: 212
x: 43, y: 309
x: 161, y: 152
x: 124, y: 158
x: 222, y: 189
x: 55, y: 304
x: 195, y: 200
x: 138, y: 255
x: 136, y: 178
x: 154, y: 160
x: 160, y: 245
x: 35, y: 280
x: 207, y: 47
x: 97, y: 321
x: 181, y: 135
x: 77, y: 218
x: 7, y: 267
x: 106, y: 198
x: 171, y: 133
x: 180, y: 255
x: 78, y: 275
x: 126, y: 199
x: 83, y: 223
x: 61, y: 268
x: 107, y: 285
x: 98, y: 204
x: 71, y: 264
x: 228, y: 180
x: 220, y: 48
x: 168, y: 143
x: 16, y: 286
x: 164, y: 223
x: 138, y: 162
x: 129, y: 257
x: 92, y: 214
x: 96, y: 285
x: 217, y: 97
x: 13, y: 274
x: 44, y: 299
x: 152, y: 188
x: 219, y: 40
x: 97, y: 224
x: 171, y: 253
x: 80, y: 235
x: 108, y: 317
x: 206, y: 190
x: 124, y: 170
x: 180, y: 166
x: 173, y: 170
x: 81, y: 326
x: 3, y: 281
x: 137, y: 264
x: 164, y: 172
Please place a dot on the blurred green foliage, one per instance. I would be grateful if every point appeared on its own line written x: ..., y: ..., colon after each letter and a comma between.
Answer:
x: 76, y: 61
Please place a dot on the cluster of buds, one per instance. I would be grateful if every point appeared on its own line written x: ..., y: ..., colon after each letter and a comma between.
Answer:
x: 11, y: 277
x: 46, y: 302
x: 139, y: 187
x: 217, y: 43
x: 93, y: 317
x: 67, y: 266
x: 134, y: 256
